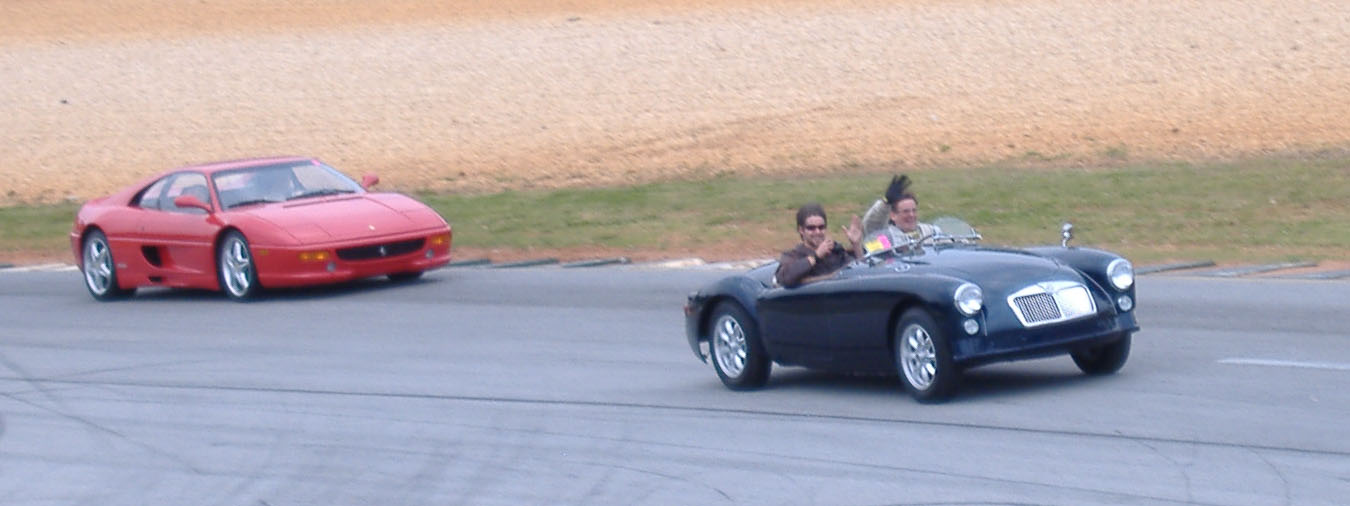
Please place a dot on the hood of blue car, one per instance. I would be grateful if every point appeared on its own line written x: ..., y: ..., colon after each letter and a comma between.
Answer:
x: 996, y: 269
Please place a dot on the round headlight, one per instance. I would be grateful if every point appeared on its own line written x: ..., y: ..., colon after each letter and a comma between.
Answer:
x: 1121, y: 274
x: 969, y: 298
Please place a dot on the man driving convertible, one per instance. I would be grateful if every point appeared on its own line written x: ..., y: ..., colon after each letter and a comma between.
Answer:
x: 817, y: 255
x: 903, y: 226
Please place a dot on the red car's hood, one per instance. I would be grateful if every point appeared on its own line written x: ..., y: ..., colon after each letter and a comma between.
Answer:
x: 349, y: 217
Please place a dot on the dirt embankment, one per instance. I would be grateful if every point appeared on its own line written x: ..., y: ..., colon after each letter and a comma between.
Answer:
x: 479, y: 96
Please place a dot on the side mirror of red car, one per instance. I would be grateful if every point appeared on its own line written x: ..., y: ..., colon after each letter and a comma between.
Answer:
x: 369, y: 180
x: 183, y: 201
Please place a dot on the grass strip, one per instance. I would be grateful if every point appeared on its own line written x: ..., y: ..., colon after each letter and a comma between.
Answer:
x: 1256, y: 210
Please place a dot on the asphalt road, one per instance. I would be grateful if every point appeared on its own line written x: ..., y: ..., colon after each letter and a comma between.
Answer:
x: 576, y: 386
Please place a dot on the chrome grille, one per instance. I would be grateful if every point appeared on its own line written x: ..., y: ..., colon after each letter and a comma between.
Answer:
x: 1051, y: 301
x: 1037, y: 308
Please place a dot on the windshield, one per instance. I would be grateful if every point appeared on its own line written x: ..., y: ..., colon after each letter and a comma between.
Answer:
x: 951, y: 227
x: 279, y: 183
x: 941, y: 232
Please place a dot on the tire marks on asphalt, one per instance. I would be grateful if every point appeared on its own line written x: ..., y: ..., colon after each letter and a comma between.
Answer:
x: 693, y: 409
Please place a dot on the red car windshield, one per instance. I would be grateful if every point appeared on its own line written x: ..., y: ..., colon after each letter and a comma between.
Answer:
x: 279, y: 183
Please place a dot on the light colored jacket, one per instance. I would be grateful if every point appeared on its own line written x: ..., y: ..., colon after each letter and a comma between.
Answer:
x: 892, y: 236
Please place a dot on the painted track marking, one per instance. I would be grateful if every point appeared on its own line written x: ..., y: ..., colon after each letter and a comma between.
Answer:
x: 1330, y: 366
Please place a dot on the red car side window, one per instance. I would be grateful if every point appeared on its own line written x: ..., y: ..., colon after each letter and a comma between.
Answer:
x: 149, y: 197
x: 188, y: 183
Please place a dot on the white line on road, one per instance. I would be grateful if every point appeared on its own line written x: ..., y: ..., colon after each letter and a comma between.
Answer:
x: 1330, y: 366
x: 41, y: 268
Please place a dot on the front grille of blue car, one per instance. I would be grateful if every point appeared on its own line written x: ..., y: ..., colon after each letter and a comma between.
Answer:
x: 1049, y: 302
x: 1038, y: 308
x: 377, y: 251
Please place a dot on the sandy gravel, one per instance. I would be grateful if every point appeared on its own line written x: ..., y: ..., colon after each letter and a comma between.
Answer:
x: 474, y: 96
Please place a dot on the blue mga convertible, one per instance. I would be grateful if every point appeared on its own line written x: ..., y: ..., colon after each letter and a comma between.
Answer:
x: 924, y: 310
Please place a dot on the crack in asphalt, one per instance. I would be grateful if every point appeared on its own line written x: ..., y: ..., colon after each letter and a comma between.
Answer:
x: 693, y: 409
x: 836, y: 462
x: 105, y: 430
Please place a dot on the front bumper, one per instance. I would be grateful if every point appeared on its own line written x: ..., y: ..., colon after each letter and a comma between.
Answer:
x: 1045, y: 341
x: 295, y: 266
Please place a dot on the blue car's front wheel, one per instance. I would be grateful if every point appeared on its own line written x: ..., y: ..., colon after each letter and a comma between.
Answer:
x: 923, y: 357
x: 737, y: 353
x: 1105, y: 359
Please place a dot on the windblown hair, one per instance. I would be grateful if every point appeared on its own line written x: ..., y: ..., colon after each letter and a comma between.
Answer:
x: 809, y: 210
x: 899, y: 190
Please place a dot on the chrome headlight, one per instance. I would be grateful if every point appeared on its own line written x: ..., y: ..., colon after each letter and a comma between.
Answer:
x: 1121, y: 274
x: 969, y: 298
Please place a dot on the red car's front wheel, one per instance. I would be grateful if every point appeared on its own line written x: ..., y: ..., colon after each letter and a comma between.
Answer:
x: 100, y: 270
x: 237, y: 273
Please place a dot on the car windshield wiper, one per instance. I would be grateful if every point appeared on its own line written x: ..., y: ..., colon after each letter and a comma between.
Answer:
x: 320, y: 193
x: 252, y: 202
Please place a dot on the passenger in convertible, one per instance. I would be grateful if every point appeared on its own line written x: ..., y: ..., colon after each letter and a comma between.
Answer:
x: 901, y: 208
x: 817, y: 255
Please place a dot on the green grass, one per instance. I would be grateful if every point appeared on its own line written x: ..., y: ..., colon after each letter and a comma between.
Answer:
x: 1263, y: 210
x: 36, y: 228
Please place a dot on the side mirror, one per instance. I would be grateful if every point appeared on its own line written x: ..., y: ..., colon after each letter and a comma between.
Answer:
x: 1066, y: 232
x: 369, y: 180
x: 186, y: 200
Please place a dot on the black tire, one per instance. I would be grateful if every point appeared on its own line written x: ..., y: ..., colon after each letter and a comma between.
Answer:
x: 923, y: 357
x: 1104, y: 359
x: 100, y: 269
x: 738, y: 355
x: 404, y: 277
x: 235, y: 269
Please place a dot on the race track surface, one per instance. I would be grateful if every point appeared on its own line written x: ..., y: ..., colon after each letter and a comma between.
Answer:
x: 576, y: 386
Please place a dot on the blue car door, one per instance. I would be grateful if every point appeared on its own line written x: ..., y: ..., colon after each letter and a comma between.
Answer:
x: 795, y: 324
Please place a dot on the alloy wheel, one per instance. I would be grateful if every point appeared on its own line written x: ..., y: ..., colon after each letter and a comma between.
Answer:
x: 918, y: 357
x: 98, y: 267
x: 729, y: 346
x: 237, y: 267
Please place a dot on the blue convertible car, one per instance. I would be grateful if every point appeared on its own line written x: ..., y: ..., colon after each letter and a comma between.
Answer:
x: 924, y: 311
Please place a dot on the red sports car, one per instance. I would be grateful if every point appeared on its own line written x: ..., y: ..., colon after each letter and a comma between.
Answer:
x: 239, y: 226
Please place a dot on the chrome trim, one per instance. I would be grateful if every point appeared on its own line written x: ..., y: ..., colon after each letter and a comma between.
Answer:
x: 1063, y: 293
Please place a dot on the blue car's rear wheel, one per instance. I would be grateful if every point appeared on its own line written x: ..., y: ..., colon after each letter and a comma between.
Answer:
x: 923, y: 357
x: 737, y: 353
x: 236, y: 270
x: 100, y: 270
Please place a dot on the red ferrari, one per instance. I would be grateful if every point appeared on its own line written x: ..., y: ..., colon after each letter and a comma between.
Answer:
x: 243, y: 225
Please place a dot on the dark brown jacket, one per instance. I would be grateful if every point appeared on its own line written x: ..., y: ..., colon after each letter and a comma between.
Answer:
x: 793, y: 266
